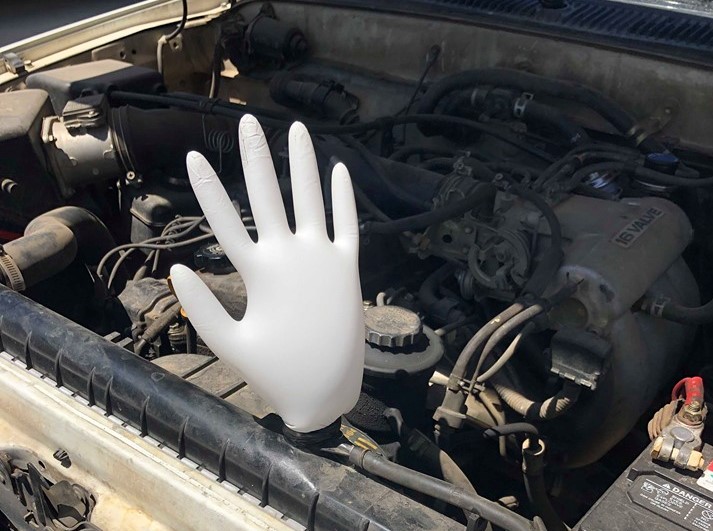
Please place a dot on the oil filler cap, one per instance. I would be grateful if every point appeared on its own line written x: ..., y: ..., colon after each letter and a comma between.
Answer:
x: 391, y: 326
x: 212, y: 259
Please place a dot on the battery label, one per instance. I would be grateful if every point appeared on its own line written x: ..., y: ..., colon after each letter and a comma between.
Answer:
x: 675, y: 503
x: 706, y: 480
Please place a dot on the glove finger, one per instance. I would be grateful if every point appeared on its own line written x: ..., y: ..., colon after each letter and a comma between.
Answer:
x: 218, y: 209
x: 346, y: 222
x: 211, y: 321
x: 263, y: 191
x: 306, y: 187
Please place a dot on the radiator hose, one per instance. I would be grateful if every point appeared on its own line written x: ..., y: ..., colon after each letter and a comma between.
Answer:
x: 51, y: 242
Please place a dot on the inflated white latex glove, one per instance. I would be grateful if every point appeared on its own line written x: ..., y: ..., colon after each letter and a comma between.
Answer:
x: 300, y: 345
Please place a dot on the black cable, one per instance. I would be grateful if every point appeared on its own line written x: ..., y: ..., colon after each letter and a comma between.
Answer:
x: 368, y: 204
x: 431, y: 57
x: 396, y: 191
x: 181, y: 24
x: 482, y: 194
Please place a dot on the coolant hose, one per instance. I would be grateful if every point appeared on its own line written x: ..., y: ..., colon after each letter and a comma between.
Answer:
x: 671, y: 311
x: 52, y: 241
x: 535, y: 113
x: 496, y: 514
x: 548, y: 409
x: 503, y: 77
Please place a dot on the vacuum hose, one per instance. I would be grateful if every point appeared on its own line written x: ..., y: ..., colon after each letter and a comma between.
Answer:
x: 670, y: 311
x: 503, y: 77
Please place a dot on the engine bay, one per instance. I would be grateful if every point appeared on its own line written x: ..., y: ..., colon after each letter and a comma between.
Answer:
x: 534, y: 215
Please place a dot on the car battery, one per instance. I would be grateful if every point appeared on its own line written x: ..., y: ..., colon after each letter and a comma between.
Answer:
x: 655, y: 496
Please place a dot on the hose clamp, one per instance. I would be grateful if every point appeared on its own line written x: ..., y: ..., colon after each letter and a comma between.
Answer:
x: 13, y: 276
x: 656, y: 306
x: 518, y: 109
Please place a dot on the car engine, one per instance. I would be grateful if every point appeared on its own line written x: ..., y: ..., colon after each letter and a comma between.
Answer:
x: 534, y: 239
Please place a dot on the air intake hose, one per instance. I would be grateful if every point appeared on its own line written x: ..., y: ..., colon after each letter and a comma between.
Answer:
x: 51, y: 242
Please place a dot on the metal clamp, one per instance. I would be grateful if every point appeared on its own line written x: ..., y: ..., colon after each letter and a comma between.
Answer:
x: 13, y: 275
x: 518, y: 109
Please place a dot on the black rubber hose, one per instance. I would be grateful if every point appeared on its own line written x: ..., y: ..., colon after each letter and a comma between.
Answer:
x: 533, y: 468
x: 428, y: 293
x: 684, y: 176
x: 429, y: 453
x: 502, y: 77
x: 150, y: 140
x: 399, y: 193
x: 483, y: 171
x: 53, y: 241
x: 441, y: 490
x: 236, y: 111
x: 537, y: 114
x: 671, y: 311
x: 483, y: 193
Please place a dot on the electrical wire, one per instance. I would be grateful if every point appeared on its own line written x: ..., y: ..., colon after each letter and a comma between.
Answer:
x: 151, y: 243
x: 184, y: 228
x: 522, y: 318
x: 432, y: 56
x: 165, y: 39
x: 505, y: 357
